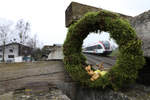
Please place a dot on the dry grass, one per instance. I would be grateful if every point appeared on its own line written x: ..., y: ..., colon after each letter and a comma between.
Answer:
x: 25, y: 65
x: 15, y: 70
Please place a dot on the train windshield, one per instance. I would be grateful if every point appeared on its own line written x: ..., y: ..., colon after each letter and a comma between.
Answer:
x: 106, y: 44
x: 99, y: 47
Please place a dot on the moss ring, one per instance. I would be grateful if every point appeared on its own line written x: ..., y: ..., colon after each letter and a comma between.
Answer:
x: 130, y: 58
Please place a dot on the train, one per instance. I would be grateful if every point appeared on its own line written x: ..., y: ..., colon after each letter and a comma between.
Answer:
x: 99, y: 48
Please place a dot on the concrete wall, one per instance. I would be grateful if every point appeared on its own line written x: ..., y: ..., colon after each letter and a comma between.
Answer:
x: 76, y: 10
x: 141, y: 23
x: 18, y: 59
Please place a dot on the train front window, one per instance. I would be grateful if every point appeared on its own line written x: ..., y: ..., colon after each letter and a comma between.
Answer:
x: 99, y: 47
x: 106, y: 45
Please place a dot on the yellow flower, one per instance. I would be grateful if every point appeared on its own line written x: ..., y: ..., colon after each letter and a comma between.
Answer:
x: 103, y: 73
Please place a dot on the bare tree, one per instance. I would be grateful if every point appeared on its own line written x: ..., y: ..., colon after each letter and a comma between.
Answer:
x: 23, y: 29
x: 4, y: 33
x: 33, y: 41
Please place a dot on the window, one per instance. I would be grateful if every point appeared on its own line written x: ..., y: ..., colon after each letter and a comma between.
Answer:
x: 10, y: 56
x: 95, y: 47
x: 92, y: 47
x: 99, y: 47
x: 0, y: 56
x: 0, y: 50
x: 106, y: 45
x: 11, y: 50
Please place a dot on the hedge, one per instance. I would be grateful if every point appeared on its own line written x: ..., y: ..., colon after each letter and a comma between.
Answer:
x: 129, y: 60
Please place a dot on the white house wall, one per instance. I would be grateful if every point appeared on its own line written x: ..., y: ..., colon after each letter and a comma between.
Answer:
x: 7, y: 52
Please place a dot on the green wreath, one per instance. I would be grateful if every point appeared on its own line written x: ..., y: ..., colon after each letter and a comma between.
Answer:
x: 130, y: 58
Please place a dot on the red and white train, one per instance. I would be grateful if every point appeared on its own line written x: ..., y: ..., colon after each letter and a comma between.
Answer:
x: 99, y: 48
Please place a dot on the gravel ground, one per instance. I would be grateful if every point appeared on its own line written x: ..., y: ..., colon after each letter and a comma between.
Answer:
x: 95, y: 59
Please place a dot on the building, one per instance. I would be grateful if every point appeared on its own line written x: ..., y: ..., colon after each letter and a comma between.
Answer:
x: 15, y: 52
x: 56, y: 52
x: 46, y: 50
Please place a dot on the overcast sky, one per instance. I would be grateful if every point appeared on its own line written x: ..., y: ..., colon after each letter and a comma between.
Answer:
x: 47, y: 17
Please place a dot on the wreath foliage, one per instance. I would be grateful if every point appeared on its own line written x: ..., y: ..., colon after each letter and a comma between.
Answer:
x: 129, y: 60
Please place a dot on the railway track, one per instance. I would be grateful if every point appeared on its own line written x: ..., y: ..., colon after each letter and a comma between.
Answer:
x: 95, y: 59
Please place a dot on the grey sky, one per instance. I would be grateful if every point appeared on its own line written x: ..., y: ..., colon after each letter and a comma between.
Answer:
x: 47, y: 17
